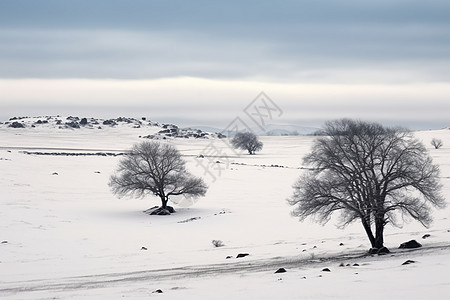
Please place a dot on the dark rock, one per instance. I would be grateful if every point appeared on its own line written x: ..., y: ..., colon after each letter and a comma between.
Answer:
x: 326, y: 270
x: 158, y: 291
x: 341, y: 265
x: 425, y: 236
x: 109, y: 122
x: 83, y: 121
x: 54, y: 173
x: 4, y: 242
x: 157, y: 211
x: 240, y: 255
x: 408, y: 262
x: 380, y: 251
x: 280, y: 270
x: 16, y: 125
x: 410, y: 245
x: 356, y: 265
x: 383, y: 250
x: 170, y: 209
x: 73, y: 124
x: 229, y: 257
x: 341, y: 244
x: 144, y: 248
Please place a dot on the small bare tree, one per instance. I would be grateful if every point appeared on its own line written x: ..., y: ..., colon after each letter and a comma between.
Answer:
x: 156, y: 169
x: 247, y: 141
x: 437, y: 143
x: 369, y: 173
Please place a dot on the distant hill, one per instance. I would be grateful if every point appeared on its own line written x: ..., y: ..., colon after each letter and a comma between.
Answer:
x: 156, y: 130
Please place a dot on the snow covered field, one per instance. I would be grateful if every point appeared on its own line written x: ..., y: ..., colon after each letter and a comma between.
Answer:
x: 64, y: 235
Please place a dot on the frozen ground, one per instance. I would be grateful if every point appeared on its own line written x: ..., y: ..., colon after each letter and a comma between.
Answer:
x: 66, y: 236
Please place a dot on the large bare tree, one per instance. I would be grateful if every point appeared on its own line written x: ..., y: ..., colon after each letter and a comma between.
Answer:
x: 157, y: 169
x: 369, y: 173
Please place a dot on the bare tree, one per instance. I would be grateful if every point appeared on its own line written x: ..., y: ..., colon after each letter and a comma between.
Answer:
x: 156, y: 169
x: 437, y: 143
x: 370, y: 173
x: 247, y: 141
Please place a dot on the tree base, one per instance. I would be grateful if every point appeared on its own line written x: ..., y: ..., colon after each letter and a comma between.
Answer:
x: 379, y: 251
x: 160, y: 211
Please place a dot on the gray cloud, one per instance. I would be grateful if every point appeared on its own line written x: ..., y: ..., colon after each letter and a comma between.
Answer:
x: 283, y: 40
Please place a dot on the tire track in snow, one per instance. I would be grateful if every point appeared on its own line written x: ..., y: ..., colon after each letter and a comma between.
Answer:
x: 245, y: 266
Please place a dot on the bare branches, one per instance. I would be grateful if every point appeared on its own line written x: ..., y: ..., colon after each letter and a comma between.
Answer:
x: 437, y: 143
x: 368, y: 172
x: 155, y: 169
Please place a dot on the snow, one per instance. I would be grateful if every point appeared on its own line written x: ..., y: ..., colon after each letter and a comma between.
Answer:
x: 65, y: 235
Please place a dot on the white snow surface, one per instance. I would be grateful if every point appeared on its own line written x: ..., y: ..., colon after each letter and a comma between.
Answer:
x: 64, y: 235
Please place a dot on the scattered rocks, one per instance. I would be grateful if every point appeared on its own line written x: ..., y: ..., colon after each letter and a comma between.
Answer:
x: 109, y: 122
x: 408, y: 262
x: 240, y: 255
x: 280, y: 270
x: 410, y: 245
x: 16, y: 125
x: 73, y: 124
x: 73, y: 153
x: 425, y: 236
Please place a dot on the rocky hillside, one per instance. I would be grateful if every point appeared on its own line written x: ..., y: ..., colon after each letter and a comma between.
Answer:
x: 156, y: 130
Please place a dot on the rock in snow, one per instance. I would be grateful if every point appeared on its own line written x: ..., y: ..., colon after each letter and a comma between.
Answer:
x: 240, y: 255
x: 410, y: 245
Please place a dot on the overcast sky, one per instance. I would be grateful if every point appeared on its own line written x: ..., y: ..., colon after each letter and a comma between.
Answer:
x: 202, y: 62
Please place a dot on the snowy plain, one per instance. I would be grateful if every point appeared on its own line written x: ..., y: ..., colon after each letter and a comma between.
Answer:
x: 64, y: 235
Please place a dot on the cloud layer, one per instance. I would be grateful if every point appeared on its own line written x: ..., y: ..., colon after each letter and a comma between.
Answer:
x: 386, y: 60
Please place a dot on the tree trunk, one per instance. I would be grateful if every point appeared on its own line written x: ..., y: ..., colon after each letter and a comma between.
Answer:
x: 366, y: 225
x: 379, y: 232
x: 164, y: 201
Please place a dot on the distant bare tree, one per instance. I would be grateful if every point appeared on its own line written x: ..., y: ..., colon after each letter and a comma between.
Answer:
x: 247, y: 141
x: 437, y: 143
x: 368, y: 172
x: 156, y: 169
